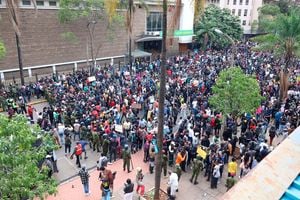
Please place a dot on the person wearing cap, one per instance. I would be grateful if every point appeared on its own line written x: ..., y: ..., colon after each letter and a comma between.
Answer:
x: 139, y: 179
x: 197, y: 167
x: 126, y: 155
x: 84, y: 177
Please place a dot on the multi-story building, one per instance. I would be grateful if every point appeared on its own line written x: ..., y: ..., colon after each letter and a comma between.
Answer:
x: 43, y: 44
x: 246, y: 10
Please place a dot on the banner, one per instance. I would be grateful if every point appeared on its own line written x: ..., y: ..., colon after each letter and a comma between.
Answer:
x: 91, y: 79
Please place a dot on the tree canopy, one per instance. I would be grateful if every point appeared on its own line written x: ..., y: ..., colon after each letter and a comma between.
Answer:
x: 283, y: 32
x: 235, y: 92
x: 216, y: 18
x: 20, y: 158
x: 2, y: 50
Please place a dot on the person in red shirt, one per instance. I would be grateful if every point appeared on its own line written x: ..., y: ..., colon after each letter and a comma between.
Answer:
x: 30, y: 110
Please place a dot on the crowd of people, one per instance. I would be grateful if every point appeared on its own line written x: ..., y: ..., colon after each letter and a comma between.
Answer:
x: 115, y: 112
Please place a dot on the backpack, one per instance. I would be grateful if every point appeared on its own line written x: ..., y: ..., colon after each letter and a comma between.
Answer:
x: 78, y: 150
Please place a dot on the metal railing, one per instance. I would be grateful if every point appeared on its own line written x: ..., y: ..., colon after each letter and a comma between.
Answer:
x: 12, y: 75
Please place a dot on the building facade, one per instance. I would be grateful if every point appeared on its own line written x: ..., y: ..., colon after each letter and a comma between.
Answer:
x: 42, y: 40
x: 246, y: 10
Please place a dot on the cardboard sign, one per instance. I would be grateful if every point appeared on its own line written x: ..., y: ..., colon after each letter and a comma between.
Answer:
x: 201, y: 152
x: 136, y: 106
x: 119, y: 128
x: 91, y: 79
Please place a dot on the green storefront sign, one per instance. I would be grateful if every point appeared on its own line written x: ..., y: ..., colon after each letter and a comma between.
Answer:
x: 179, y: 33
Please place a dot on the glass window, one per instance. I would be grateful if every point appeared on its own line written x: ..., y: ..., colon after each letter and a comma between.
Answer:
x: 52, y: 3
x: 26, y: 2
x: 228, y: 1
x: 240, y: 12
x: 247, y: 2
x: 241, y: 2
x: 154, y: 21
x: 0, y: 2
x: 233, y: 11
x: 40, y: 3
x: 245, y: 12
x: 244, y: 23
x: 234, y: 2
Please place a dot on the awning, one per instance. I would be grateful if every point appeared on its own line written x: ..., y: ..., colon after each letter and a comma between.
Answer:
x: 149, y: 38
x: 140, y: 54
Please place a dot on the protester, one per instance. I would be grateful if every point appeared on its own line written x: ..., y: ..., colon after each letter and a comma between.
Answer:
x: 84, y: 176
x: 139, y: 179
x: 128, y: 190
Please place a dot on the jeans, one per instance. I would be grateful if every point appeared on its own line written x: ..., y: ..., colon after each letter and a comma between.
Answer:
x: 86, y: 187
x: 106, y: 195
x: 62, y: 138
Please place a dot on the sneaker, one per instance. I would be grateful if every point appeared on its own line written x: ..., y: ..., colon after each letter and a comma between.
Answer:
x: 109, y: 163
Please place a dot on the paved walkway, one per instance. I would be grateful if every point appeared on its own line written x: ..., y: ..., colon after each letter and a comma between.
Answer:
x: 73, y: 189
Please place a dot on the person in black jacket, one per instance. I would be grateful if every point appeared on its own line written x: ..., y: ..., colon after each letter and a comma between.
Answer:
x: 128, y: 190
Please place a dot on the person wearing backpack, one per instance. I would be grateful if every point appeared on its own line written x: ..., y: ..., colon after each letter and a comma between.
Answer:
x: 77, y: 152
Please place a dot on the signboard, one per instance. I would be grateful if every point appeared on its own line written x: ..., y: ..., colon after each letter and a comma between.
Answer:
x: 180, y: 33
x: 91, y: 79
x: 119, y: 128
x: 201, y: 152
x: 136, y: 106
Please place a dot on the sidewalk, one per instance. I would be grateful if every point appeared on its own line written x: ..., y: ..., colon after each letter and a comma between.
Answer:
x: 73, y: 188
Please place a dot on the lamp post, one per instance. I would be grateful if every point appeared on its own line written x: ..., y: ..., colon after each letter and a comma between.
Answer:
x: 234, y: 48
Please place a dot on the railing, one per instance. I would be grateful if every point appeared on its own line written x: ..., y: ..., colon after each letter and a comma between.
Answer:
x: 6, y: 75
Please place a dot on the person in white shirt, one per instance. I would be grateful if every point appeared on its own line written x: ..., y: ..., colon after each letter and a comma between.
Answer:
x: 173, y: 184
x: 61, y: 132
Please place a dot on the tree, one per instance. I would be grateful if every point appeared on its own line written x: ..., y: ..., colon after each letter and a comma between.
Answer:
x: 235, y: 92
x: 221, y: 19
x: 283, y: 39
x: 91, y: 11
x: 22, y: 148
x: 13, y: 13
x: 2, y: 50
x: 161, y: 103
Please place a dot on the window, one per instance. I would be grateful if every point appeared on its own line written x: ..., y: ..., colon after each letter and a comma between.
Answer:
x: 233, y: 11
x: 244, y: 23
x: 241, y: 2
x: 154, y: 21
x: 245, y: 12
x: 40, y: 3
x: 52, y: 3
x: 228, y: 1
x: 239, y: 12
x: 0, y: 2
x: 26, y: 2
x: 247, y: 2
x: 234, y: 2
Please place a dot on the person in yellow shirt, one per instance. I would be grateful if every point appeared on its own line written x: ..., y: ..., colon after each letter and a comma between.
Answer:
x: 232, y: 168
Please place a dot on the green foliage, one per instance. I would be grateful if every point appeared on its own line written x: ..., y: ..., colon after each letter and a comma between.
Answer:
x: 70, y: 37
x: 20, y: 175
x: 283, y: 36
x: 2, y: 50
x: 235, y: 92
x: 71, y: 10
x: 216, y: 18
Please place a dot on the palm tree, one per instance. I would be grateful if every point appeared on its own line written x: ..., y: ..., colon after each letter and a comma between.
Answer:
x: 13, y: 13
x: 283, y: 38
x: 207, y: 32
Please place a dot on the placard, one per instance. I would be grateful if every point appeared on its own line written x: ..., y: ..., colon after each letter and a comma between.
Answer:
x: 119, y: 128
x: 91, y: 79
x: 136, y: 106
x: 201, y: 152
